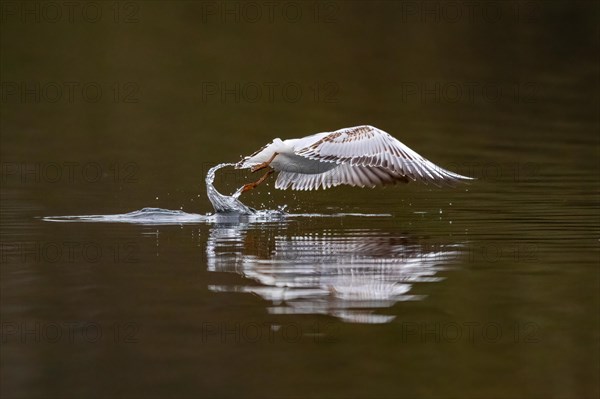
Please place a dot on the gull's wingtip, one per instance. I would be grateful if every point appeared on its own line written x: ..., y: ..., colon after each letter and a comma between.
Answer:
x: 457, y: 176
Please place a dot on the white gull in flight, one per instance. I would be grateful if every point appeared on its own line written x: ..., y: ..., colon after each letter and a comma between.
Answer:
x: 361, y: 156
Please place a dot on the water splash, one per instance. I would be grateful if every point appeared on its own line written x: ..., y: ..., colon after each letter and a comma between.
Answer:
x: 228, y: 209
x: 223, y: 203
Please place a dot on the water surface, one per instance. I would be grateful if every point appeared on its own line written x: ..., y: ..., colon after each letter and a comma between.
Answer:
x: 484, y: 290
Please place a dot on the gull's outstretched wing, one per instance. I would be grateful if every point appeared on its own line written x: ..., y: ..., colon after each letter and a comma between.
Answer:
x: 374, y: 150
x: 362, y: 176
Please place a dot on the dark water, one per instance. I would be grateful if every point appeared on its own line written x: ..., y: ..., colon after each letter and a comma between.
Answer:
x: 487, y: 290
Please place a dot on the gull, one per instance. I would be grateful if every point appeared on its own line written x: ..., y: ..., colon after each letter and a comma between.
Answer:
x: 362, y: 156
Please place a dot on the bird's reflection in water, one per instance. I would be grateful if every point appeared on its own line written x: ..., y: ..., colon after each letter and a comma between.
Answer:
x: 348, y: 274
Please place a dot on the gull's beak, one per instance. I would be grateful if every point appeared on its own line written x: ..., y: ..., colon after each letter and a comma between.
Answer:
x: 244, y: 164
x: 240, y: 164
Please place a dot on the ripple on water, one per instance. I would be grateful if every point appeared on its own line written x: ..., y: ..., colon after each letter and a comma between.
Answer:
x: 228, y: 209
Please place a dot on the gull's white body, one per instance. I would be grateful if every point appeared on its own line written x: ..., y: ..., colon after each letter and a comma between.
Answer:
x: 357, y: 156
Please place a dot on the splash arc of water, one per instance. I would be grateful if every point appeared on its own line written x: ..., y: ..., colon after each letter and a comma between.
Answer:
x: 228, y: 209
x: 223, y: 203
